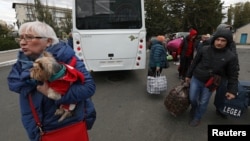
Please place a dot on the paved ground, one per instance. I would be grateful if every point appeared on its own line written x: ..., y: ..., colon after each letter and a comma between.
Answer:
x: 125, y: 110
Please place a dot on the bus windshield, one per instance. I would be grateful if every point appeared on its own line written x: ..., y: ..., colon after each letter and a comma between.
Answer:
x: 108, y: 14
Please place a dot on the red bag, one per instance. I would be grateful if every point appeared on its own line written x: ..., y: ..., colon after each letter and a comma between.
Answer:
x: 74, y: 132
x: 213, y: 83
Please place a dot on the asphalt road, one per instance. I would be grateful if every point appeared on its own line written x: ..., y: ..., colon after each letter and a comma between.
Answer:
x: 125, y: 112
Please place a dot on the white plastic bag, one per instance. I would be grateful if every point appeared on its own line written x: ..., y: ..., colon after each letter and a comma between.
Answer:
x: 157, y: 84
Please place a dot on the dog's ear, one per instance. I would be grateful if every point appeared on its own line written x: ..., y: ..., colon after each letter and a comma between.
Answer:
x: 35, y: 72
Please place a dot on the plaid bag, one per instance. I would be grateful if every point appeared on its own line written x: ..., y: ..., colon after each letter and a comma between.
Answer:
x: 157, y: 84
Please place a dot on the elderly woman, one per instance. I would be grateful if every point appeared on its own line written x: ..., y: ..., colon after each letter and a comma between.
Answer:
x: 35, y: 38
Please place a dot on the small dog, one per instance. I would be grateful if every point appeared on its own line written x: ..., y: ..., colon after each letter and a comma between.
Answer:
x: 59, y: 77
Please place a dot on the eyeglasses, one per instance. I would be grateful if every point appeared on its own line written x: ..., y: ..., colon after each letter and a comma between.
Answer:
x: 28, y: 38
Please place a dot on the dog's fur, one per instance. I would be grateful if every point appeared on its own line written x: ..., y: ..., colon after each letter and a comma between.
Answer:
x: 43, y: 68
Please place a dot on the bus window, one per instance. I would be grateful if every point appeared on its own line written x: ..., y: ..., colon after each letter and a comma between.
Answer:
x: 109, y: 14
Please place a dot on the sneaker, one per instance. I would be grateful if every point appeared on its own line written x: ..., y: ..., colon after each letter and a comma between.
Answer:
x: 194, y: 122
x: 218, y: 113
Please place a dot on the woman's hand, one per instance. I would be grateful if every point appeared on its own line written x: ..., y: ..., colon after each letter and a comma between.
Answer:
x: 230, y: 96
x: 43, y: 88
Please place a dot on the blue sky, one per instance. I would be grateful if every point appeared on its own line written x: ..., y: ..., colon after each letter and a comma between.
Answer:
x: 7, y: 13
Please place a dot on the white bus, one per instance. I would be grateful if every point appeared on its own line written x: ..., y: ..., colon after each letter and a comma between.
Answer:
x: 110, y: 35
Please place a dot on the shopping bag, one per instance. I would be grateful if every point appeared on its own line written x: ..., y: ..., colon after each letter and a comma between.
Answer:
x: 156, y: 84
x: 177, y: 101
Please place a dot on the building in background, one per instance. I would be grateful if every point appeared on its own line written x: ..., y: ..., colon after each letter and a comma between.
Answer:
x: 25, y: 12
x: 241, y: 36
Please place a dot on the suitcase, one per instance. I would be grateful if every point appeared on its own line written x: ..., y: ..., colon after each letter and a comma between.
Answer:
x: 177, y: 101
x: 246, y: 86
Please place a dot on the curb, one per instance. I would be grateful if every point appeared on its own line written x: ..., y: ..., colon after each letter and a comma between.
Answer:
x: 7, y: 63
x: 9, y: 50
x: 10, y: 62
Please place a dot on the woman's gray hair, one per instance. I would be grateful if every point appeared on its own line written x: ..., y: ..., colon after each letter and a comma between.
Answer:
x: 41, y: 29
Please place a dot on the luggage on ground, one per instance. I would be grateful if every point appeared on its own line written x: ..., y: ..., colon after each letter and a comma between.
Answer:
x: 177, y: 101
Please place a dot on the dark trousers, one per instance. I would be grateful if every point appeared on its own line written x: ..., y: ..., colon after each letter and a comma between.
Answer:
x: 185, y: 62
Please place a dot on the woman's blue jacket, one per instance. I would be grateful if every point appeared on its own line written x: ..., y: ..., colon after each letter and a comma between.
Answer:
x: 19, y: 81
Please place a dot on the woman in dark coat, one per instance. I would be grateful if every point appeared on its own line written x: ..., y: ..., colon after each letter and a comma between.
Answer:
x: 157, y: 60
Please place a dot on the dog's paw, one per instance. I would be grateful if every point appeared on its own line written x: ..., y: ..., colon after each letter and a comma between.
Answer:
x: 54, y: 97
x: 66, y: 114
x: 59, y: 112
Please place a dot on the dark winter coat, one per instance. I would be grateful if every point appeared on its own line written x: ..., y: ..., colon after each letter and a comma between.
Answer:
x: 157, y: 55
x: 232, y: 46
x: 210, y: 60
